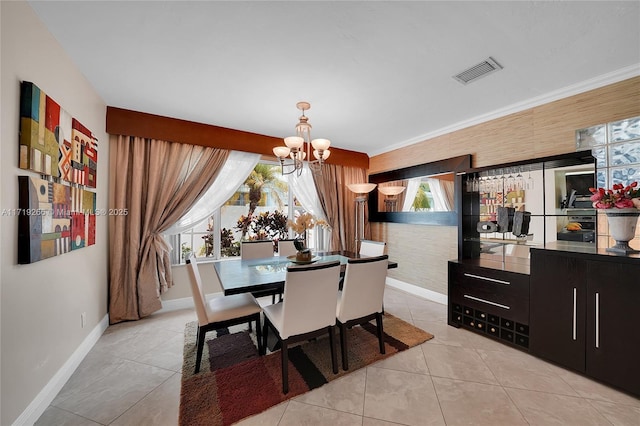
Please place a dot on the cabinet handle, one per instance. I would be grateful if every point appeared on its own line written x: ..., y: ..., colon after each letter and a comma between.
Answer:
x: 493, y: 280
x: 477, y: 299
x: 597, y: 320
x: 575, y: 290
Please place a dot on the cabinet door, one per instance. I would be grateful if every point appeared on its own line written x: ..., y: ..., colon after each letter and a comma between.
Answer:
x: 613, y: 335
x: 557, y: 311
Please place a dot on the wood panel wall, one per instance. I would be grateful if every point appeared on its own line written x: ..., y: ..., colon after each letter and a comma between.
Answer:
x: 541, y: 131
x: 422, y: 251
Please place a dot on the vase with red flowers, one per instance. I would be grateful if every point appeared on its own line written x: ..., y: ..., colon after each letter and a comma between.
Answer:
x: 621, y: 204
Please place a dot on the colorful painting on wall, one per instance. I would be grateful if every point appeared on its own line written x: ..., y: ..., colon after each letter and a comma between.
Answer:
x: 53, y: 219
x: 52, y: 142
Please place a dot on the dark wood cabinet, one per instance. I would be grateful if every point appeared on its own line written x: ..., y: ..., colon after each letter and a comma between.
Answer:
x: 489, y: 301
x: 546, y: 291
x: 613, y: 336
x: 558, y: 308
x: 583, y: 314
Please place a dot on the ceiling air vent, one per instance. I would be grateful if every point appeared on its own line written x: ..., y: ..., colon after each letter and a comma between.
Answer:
x: 485, y: 67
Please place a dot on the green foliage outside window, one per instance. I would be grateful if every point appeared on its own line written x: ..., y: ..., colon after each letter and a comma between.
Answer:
x: 421, y: 202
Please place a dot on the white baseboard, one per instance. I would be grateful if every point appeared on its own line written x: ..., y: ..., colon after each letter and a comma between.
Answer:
x: 418, y: 291
x: 35, y: 409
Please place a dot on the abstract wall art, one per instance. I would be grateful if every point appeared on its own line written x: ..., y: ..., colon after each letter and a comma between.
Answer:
x: 53, y: 219
x: 54, y: 143
x: 56, y: 213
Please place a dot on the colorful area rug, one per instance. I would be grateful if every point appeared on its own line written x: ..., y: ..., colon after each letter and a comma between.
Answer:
x: 234, y: 382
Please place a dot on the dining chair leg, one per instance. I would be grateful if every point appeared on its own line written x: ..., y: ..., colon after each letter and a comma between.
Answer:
x: 343, y: 346
x: 380, y: 332
x: 332, y: 343
x: 259, y: 336
x: 265, y: 332
x: 200, y: 347
x: 284, y: 356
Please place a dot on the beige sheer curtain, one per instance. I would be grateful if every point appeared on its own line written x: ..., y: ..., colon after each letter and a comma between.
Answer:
x: 339, y: 203
x: 157, y: 182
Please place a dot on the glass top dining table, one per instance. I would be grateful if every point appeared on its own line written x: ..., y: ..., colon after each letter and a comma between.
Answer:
x: 268, y: 274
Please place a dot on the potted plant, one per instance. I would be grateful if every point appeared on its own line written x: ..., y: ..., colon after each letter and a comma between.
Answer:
x: 621, y: 205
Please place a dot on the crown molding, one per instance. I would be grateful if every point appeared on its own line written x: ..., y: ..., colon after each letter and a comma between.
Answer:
x: 574, y: 89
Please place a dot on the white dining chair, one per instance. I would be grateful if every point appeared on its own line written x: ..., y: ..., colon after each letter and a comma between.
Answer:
x: 220, y: 312
x: 372, y: 248
x: 308, y: 310
x: 286, y: 248
x: 256, y: 249
x: 361, y: 298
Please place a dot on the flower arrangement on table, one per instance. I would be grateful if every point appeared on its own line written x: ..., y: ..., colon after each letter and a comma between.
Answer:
x: 300, y: 225
x: 618, y: 197
x: 304, y: 222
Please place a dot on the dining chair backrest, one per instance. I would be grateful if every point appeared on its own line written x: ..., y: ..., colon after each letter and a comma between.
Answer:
x: 286, y: 248
x: 310, y: 298
x: 363, y: 288
x: 372, y: 248
x: 197, y: 292
x: 256, y: 249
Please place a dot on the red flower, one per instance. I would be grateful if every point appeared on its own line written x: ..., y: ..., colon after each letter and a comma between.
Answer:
x: 619, y: 197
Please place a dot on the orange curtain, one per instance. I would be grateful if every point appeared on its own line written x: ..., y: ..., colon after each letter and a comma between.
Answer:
x: 157, y: 182
x: 339, y: 205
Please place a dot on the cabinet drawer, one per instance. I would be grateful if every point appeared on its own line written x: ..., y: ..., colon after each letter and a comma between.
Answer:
x: 488, y: 292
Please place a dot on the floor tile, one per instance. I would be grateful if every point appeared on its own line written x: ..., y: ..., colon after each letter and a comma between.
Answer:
x: 59, y: 417
x: 343, y: 394
x: 399, y: 310
x: 167, y: 355
x: 523, y: 371
x: 591, y: 389
x: 270, y: 417
x: 129, y: 378
x: 546, y: 409
x: 158, y: 408
x: 401, y: 397
x: 298, y: 413
x: 412, y: 361
x: 457, y: 363
x: 368, y: 421
x: 428, y: 311
x: 618, y: 414
x: 108, y: 398
x: 448, y: 335
x: 469, y: 403
x: 94, y: 367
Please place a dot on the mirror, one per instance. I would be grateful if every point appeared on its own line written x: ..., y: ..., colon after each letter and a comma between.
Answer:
x: 422, y: 194
x: 435, y: 193
x: 553, y: 195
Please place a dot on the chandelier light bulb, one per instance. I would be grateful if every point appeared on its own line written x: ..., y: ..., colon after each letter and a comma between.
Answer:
x: 325, y: 154
x: 321, y: 144
x: 281, y: 151
x: 294, y: 142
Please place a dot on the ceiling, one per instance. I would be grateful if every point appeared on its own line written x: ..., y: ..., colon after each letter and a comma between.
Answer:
x: 378, y: 75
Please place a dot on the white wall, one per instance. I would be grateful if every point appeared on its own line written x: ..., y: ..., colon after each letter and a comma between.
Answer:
x: 42, y: 303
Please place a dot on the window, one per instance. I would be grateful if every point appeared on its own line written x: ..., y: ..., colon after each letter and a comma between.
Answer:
x: 616, y: 147
x: 265, y: 198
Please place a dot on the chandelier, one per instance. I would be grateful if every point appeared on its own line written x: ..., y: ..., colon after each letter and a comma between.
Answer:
x: 297, y: 149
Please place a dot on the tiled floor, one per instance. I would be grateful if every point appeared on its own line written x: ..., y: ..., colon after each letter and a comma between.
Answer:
x: 132, y: 377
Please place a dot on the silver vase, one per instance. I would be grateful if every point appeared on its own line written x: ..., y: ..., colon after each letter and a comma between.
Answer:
x: 622, y: 228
